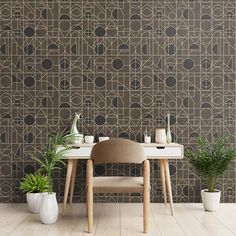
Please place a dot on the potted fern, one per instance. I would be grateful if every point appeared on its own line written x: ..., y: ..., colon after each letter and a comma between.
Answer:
x: 34, y: 185
x: 49, y: 162
x: 210, y: 162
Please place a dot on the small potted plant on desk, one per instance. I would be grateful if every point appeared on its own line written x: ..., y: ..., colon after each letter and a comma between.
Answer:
x: 211, y: 161
x: 49, y: 162
x: 34, y: 185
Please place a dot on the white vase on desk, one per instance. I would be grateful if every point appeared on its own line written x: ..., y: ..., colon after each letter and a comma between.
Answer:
x: 160, y: 136
x: 168, y: 133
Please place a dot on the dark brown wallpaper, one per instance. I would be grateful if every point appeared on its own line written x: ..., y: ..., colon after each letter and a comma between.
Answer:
x: 123, y: 65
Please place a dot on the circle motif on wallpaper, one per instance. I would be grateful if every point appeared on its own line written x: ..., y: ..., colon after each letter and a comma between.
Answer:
x: 188, y: 64
x: 170, y: 81
x: 117, y: 64
x: 5, y: 81
x: 29, y: 120
x: 47, y: 64
x: 135, y: 25
x: 206, y: 114
x: 170, y: 31
x: 100, y: 31
x: 65, y: 25
x: 147, y: 82
x: 5, y: 100
x: 100, y: 120
x: 100, y: 49
x: 100, y: 81
x: 29, y: 81
x: 5, y: 170
x: 29, y: 31
x: 135, y: 114
x: 76, y: 81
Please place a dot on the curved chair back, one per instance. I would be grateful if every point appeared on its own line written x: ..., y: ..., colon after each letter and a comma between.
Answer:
x: 117, y: 151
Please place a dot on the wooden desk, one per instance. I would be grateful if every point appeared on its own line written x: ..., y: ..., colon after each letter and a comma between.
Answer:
x: 161, y: 152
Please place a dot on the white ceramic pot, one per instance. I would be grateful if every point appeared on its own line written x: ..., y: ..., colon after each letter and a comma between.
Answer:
x: 34, y: 201
x: 49, y: 208
x: 211, y: 200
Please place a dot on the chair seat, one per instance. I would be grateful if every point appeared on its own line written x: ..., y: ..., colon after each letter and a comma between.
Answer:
x: 117, y: 184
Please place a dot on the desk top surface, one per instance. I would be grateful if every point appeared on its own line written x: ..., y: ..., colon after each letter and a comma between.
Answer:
x: 143, y: 144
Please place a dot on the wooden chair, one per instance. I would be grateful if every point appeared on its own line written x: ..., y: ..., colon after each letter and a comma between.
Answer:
x: 118, y: 151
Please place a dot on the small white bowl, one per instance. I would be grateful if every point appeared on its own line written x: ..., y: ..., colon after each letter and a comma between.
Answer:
x: 89, y: 139
x: 103, y: 139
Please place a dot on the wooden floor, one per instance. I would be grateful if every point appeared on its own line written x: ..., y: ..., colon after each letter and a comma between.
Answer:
x: 122, y: 219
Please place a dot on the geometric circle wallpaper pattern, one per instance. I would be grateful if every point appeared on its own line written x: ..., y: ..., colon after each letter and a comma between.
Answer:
x: 123, y: 65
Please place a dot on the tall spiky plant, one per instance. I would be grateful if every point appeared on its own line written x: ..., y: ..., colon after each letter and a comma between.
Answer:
x: 211, y: 160
x: 52, y: 158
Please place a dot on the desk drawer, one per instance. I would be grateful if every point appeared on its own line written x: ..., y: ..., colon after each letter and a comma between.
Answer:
x: 78, y: 152
x: 163, y: 152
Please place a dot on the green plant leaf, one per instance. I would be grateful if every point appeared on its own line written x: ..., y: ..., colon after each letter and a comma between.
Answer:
x: 211, y: 160
x: 35, y: 183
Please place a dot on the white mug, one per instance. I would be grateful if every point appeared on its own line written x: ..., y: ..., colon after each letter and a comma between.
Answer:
x: 100, y: 139
x: 88, y: 139
x: 147, y: 139
x: 160, y: 136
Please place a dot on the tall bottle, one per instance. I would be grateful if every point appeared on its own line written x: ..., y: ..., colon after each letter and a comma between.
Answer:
x: 168, y: 134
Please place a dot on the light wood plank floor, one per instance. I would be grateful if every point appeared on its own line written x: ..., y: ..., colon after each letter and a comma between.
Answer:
x: 122, y: 219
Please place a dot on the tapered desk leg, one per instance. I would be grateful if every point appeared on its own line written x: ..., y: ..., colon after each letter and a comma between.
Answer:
x: 163, y: 179
x: 68, y: 178
x: 72, y: 182
x: 167, y: 173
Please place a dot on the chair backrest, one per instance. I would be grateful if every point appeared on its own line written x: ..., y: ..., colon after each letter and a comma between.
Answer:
x: 118, y: 151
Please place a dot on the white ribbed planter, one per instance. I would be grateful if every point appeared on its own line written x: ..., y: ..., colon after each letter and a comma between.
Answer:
x: 49, y: 208
x: 34, y: 201
x: 211, y: 200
